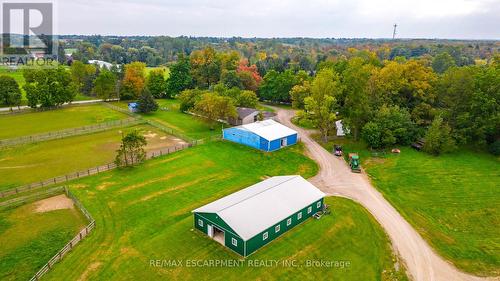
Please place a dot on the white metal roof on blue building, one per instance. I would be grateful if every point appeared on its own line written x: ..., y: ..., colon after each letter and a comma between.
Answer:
x: 268, y: 129
x: 256, y: 208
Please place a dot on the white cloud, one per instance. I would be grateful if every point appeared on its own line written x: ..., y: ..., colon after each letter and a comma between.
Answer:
x: 277, y: 18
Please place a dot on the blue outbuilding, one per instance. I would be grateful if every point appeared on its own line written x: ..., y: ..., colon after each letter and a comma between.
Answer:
x: 133, y: 107
x: 267, y: 135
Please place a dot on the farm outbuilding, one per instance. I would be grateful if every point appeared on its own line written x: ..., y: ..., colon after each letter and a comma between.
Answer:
x: 251, y: 218
x: 267, y: 135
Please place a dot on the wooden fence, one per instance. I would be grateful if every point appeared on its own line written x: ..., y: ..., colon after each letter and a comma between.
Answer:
x: 153, y: 123
x: 72, y: 243
x: 71, y: 132
x: 94, y: 170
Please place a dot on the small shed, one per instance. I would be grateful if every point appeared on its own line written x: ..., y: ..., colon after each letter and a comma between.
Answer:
x: 245, y: 116
x: 252, y: 217
x: 133, y: 107
x: 267, y: 135
x: 341, y: 131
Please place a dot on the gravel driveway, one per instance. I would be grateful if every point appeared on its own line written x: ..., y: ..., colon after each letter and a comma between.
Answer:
x: 336, y: 179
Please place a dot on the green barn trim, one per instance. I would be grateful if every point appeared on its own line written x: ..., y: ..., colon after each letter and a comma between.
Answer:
x: 239, y: 221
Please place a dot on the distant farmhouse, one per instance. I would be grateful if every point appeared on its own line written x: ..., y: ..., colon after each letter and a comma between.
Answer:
x: 251, y: 218
x: 267, y: 135
x: 101, y: 64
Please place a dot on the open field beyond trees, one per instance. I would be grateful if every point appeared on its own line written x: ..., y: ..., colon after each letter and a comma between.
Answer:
x: 17, y: 125
x: 30, y: 237
x: 452, y: 200
x: 24, y: 164
x: 144, y: 214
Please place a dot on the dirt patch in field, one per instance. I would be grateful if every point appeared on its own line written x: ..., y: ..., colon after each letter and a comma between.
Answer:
x: 92, y: 267
x: 58, y: 202
x: 104, y: 185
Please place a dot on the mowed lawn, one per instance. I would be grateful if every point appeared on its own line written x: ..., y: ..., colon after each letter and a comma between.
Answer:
x: 452, y: 200
x: 24, y: 164
x: 144, y: 214
x: 29, y: 238
x: 185, y: 124
x: 17, y: 125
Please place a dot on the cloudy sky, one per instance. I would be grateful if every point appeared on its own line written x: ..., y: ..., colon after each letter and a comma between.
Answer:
x: 468, y: 19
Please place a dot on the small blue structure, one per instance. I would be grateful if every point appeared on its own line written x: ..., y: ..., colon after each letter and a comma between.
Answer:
x: 267, y: 135
x: 133, y: 107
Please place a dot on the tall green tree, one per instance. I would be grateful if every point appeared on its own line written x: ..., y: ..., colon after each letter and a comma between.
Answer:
x: 156, y: 83
x: 321, y: 106
x: 10, y: 94
x: 180, y: 77
x: 49, y: 87
x: 357, y: 107
x: 131, y: 151
x: 438, y: 138
x: 147, y: 102
x: 105, y: 85
x: 206, y: 67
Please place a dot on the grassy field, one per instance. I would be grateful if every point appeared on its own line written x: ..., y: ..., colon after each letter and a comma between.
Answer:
x: 16, y: 125
x: 185, y: 124
x: 144, y: 214
x: 29, y: 163
x: 452, y: 200
x: 29, y: 238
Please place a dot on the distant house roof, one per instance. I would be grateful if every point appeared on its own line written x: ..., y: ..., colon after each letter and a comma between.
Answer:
x: 245, y: 111
x: 101, y: 63
x: 256, y: 208
x: 268, y: 129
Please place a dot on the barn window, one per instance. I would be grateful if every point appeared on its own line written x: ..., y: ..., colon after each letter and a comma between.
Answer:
x: 318, y: 205
x: 234, y: 242
x: 200, y: 222
x: 299, y: 215
x: 288, y: 221
x: 264, y: 236
x: 309, y: 210
x: 277, y: 228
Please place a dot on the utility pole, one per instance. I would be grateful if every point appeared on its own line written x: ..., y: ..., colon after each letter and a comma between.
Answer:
x: 394, y: 32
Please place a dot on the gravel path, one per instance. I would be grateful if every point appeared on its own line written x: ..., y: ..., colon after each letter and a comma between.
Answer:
x: 336, y: 179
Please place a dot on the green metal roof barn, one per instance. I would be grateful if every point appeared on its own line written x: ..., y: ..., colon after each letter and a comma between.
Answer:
x: 250, y: 218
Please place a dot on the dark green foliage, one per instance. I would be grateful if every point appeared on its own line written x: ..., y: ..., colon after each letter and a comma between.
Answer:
x: 180, y: 77
x: 442, y: 62
x: 10, y: 94
x: 49, y: 87
x: 156, y: 84
x: 147, y: 102
x: 105, y: 85
x: 494, y: 148
x: 390, y: 125
x: 276, y: 86
x: 131, y: 151
x: 438, y: 138
x: 231, y: 79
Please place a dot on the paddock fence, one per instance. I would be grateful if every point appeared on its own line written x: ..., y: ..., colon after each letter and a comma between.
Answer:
x: 99, y: 169
x: 71, y: 132
x: 73, y: 242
